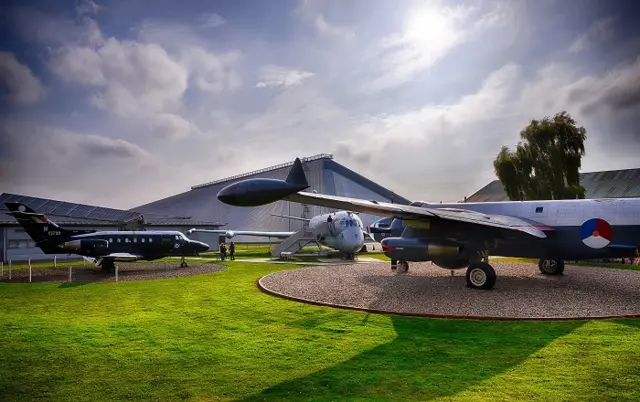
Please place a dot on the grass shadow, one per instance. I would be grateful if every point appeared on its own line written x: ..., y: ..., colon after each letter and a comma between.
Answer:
x: 429, y: 358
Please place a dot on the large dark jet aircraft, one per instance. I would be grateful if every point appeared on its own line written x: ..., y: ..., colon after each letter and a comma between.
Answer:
x: 104, y: 247
x: 455, y: 236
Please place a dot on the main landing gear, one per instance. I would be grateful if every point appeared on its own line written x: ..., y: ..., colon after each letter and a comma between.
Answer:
x: 399, y: 266
x: 551, y: 267
x: 480, y: 274
x: 107, y: 265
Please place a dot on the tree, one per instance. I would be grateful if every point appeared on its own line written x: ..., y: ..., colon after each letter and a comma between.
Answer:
x: 545, y: 164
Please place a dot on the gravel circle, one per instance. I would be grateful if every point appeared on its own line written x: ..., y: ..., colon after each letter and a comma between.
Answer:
x: 126, y: 272
x: 521, y: 291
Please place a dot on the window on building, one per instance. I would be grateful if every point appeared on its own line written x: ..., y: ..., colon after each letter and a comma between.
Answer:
x: 539, y: 210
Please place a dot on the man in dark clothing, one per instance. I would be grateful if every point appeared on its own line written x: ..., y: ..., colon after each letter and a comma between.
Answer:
x: 223, y: 251
x: 232, y: 250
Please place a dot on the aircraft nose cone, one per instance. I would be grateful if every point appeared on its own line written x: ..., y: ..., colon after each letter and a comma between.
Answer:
x: 226, y: 195
x: 200, y: 246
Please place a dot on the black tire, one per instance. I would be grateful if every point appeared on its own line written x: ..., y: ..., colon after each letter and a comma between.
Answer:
x: 403, y: 266
x: 551, y: 267
x: 480, y: 275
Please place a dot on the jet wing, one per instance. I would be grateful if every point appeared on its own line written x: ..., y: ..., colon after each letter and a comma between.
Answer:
x: 420, y: 213
x: 122, y: 256
x: 279, y: 235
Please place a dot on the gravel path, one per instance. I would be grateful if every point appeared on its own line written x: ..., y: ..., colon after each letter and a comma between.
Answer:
x: 126, y: 272
x: 521, y: 292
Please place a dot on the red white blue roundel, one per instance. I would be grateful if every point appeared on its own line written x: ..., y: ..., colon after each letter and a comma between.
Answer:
x: 596, y: 233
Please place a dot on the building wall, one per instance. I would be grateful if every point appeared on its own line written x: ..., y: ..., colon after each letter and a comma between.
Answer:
x: 608, y: 184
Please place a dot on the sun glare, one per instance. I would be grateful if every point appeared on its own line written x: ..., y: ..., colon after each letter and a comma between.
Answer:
x: 428, y: 26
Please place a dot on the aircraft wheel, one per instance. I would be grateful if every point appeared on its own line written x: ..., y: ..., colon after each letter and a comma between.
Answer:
x: 108, y: 266
x: 480, y: 275
x: 551, y: 267
x: 403, y: 266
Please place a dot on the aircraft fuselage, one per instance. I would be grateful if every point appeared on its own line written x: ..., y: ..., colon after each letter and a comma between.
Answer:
x: 148, y: 244
x: 340, y: 230
x: 575, y: 229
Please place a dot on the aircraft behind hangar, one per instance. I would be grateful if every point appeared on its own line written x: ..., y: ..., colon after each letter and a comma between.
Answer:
x: 455, y: 236
x: 105, y: 247
x: 340, y: 230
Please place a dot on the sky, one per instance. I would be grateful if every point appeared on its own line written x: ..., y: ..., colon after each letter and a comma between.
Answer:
x: 120, y: 103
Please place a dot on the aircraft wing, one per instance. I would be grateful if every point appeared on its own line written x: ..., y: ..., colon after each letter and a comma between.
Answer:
x: 420, y: 213
x: 279, y: 235
x: 122, y: 256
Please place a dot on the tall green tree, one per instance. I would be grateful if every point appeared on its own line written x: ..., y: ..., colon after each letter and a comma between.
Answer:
x: 545, y: 164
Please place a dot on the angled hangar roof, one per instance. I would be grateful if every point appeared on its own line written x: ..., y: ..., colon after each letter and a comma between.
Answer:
x: 608, y: 184
x: 68, y: 213
x: 323, y: 174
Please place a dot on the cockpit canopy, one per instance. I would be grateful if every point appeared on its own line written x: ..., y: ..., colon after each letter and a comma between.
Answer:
x: 352, y: 221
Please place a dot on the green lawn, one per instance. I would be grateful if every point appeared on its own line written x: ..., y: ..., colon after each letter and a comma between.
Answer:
x: 217, y: 337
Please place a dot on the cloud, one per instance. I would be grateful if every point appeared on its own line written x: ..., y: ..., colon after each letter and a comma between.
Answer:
x: 309, y: 12
x: 212, y: 72
x: 212, y: 20
x: 96, y: 146
x: 53, y: 161
x: 429, y: 33
x: 172, y: 127
x: 17, y: 82
x: 324, y: 28
x: 131, y: 78
x: 431, y: 144
x: 126, y: 100
x: 607, y: 105
x: 618, y: 90
x: 275, y: 76
x: 598, y: 32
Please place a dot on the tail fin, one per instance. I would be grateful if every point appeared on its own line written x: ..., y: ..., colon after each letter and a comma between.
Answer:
x: 41, y: 230
x: 296, y: 174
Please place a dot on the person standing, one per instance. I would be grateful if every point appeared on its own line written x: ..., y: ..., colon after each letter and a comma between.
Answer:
x: 232, y: 251
x: 223, y: 251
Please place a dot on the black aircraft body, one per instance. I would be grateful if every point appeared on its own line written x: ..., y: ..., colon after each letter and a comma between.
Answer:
x: 104, y: 247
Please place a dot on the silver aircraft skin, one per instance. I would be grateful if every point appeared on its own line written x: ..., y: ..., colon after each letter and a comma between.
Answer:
x: 463, y: 235
x: 340, y: 230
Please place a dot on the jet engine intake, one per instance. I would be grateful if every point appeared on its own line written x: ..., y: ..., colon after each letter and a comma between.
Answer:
x: 86, y: 245
x: 416, y: 249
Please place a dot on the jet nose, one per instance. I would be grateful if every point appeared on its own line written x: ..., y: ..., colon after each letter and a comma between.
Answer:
x: 199, y: 246
x: 354, y: 240
x: 226, y: 196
